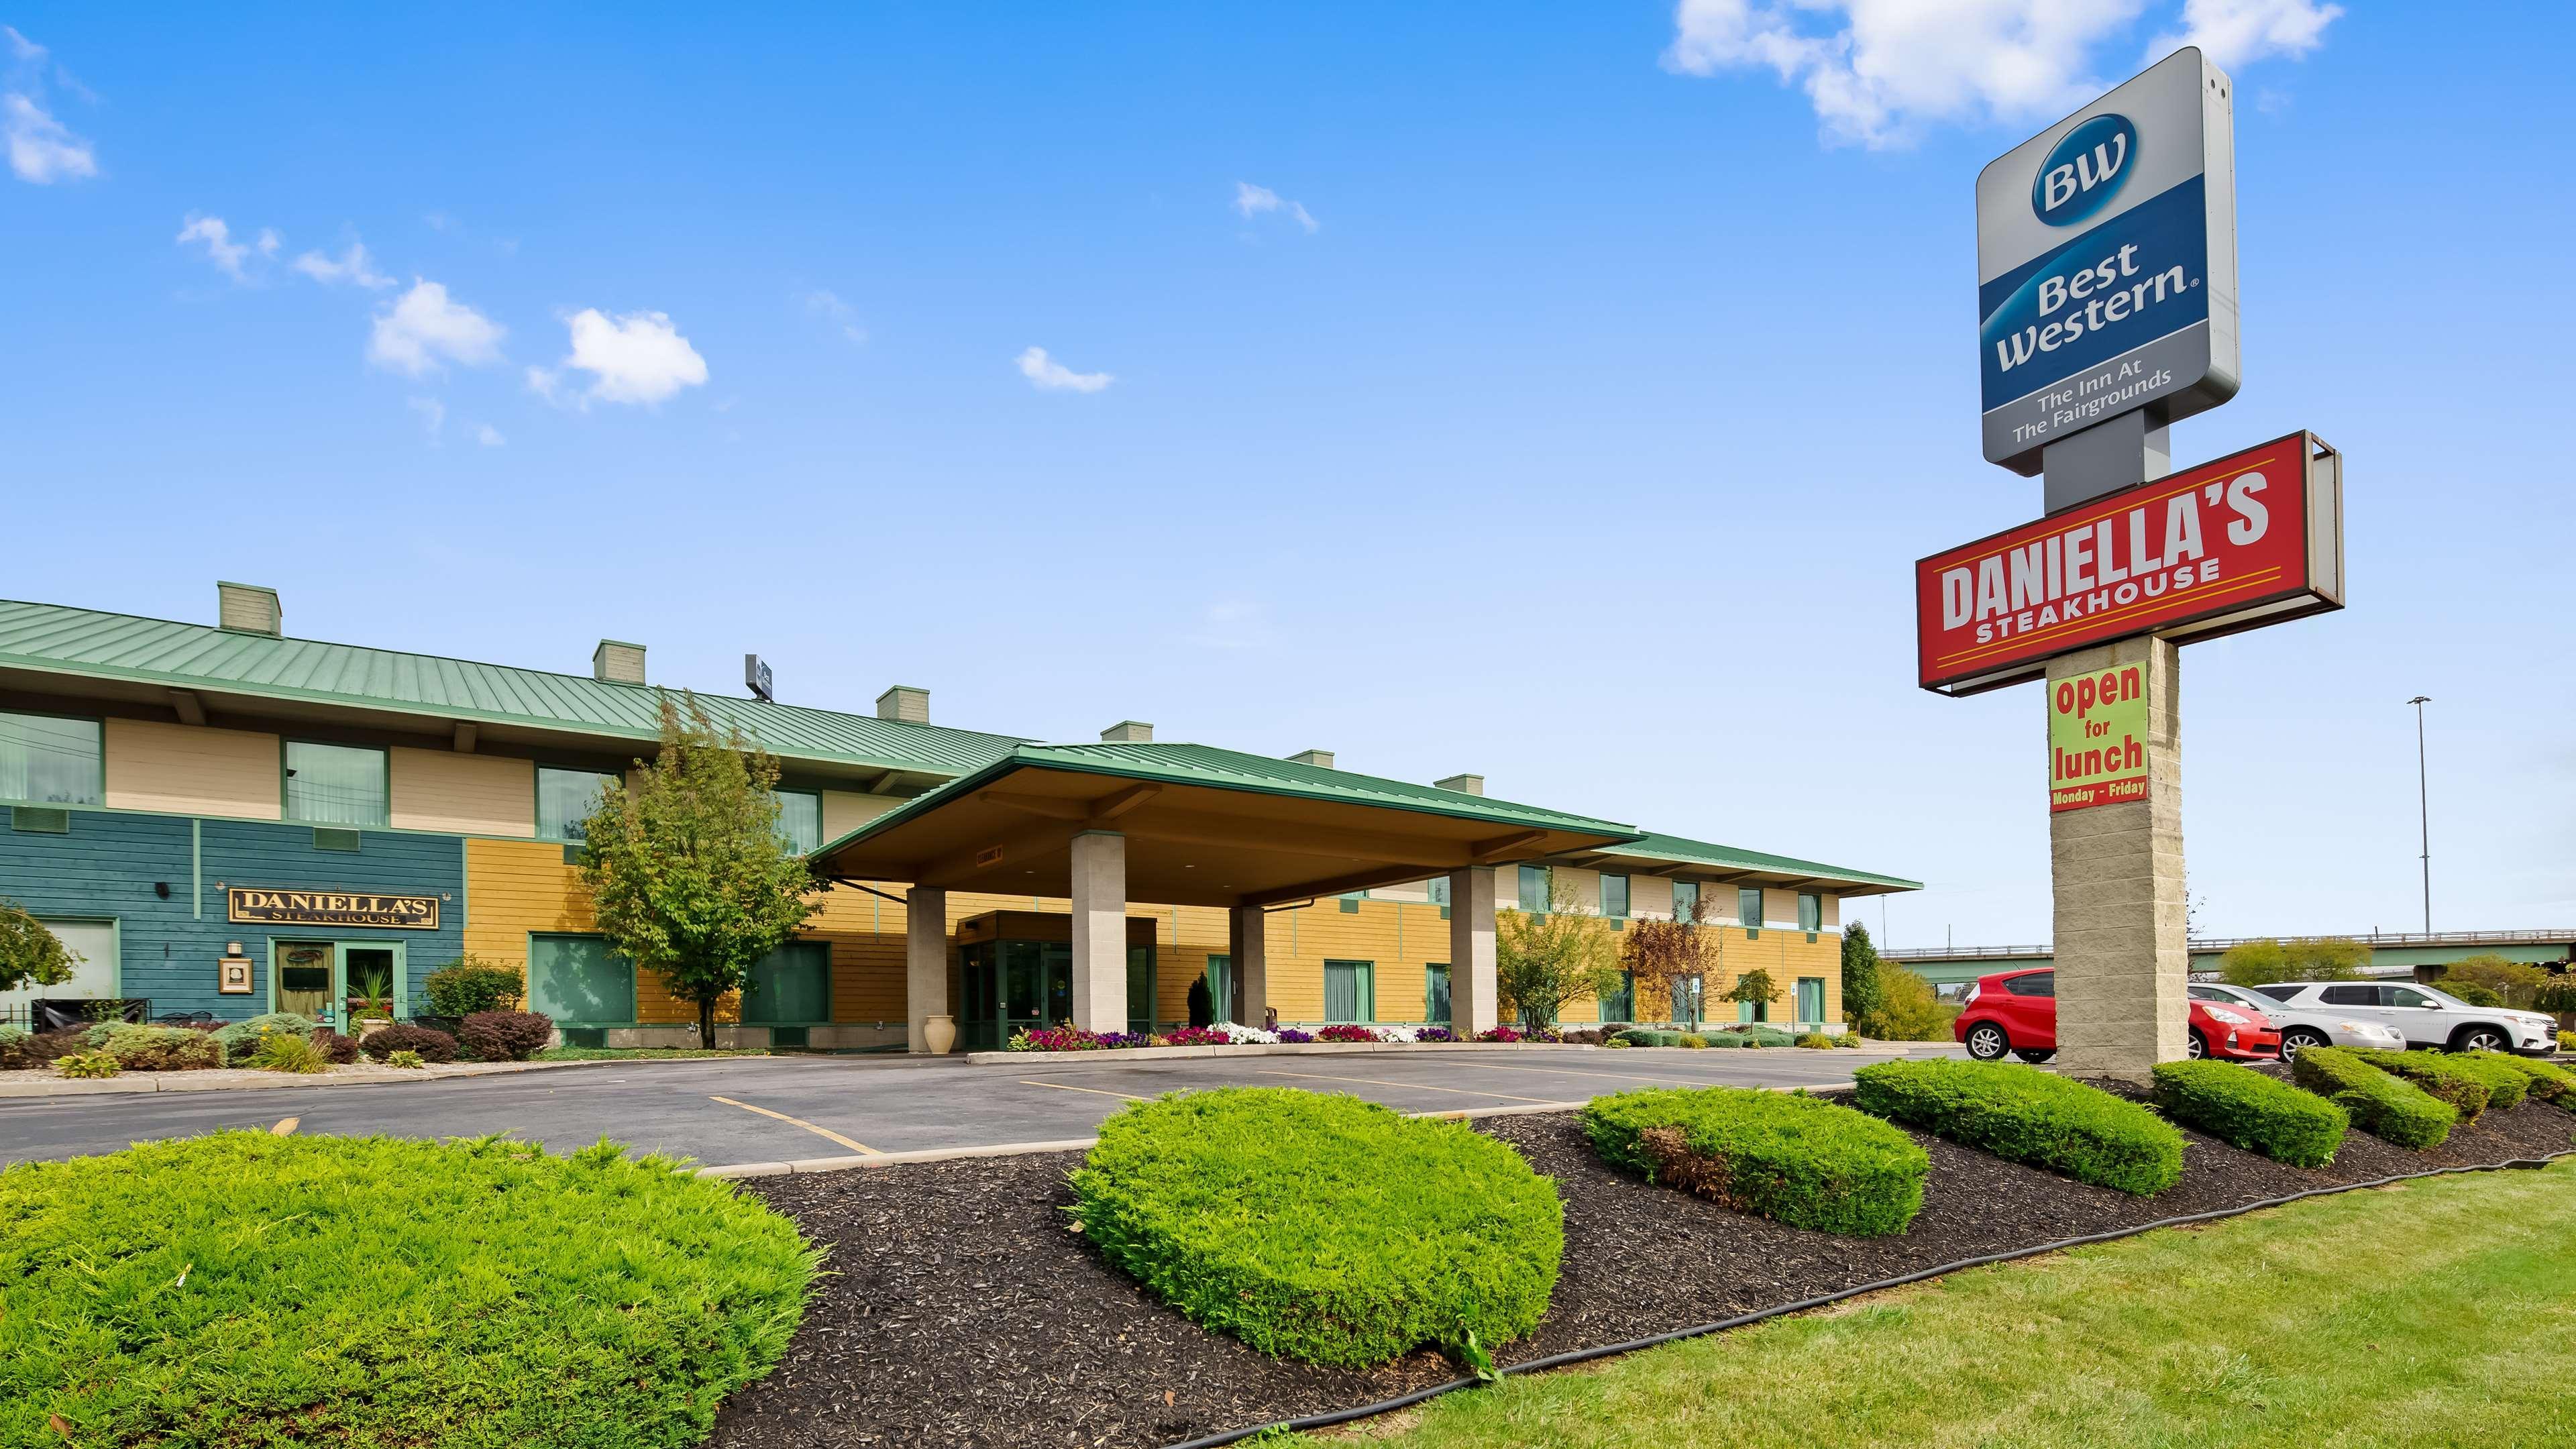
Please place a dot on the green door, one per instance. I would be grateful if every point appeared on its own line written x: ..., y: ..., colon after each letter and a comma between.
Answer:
x: 1140, y: 990
x: 1435, y: 993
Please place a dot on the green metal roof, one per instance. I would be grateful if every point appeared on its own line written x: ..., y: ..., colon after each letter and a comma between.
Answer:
x: 1727, y: 857
x: 95, y: 645
x: 1186, y: 764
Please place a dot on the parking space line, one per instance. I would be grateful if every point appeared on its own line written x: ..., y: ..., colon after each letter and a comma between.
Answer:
x: 1410, y: 1086
x: 1095, y: 1091
x: 854, y: 1146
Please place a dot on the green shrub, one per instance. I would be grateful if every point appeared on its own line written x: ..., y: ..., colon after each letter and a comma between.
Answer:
x: 2470, y: 1089
x: 246, y: 1290
x: 407, y: 1060
x: 2567, y: 1041
x: 1795, y: 1159
x: 87, y: 1064
x: 1616, y: 1039
x: 2258, y: 1113
x: 1694, y: 1040
x: 2544, y: 1081
x: 1848, y: 1039
x: 163, y: 1049
x: 12, y: 1036
x: 241, y: 1039
x: 433, y: 1045
x: 1723, y: 1039
x: 2389, y: 1108
x: 287, y: 1052
x: 40, y: 1049
x: 1322, y: 1228
x: 1816, y: 1041
x: 2023, y: 1114
x: 1757, y: 1034
x: 470, y: 984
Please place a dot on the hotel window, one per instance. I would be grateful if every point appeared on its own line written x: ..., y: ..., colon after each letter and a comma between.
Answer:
x: 566, y: 798
x: 1350, y: 991
x: 790, y: 986
x: 334, y: 784
x: 1685, y: 899
x: 1621, y: 1005
x: 1435, y: 993
x: 1748, y: 908
x: 1534, y: 889
x: 1811, y: 913
x: 1438, y: 887
x: 1614, y: 896
x: 48, y: 760
x: 800, y: 820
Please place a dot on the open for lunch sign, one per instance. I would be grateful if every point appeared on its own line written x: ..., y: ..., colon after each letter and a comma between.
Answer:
x: 2252, y: 539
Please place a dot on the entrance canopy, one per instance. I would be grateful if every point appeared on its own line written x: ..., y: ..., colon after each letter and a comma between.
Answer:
x: 1202, y: 827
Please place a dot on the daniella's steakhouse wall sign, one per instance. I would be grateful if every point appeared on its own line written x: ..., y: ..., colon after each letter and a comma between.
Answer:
x: 331, y: 908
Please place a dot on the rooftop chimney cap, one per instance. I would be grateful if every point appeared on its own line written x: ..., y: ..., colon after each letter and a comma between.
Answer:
x: 1128, y: 732
x: 906, y: 703
x: 249, y: 609
x: 1463, y: 784
x: 617, y: 662
x: 1320, y: 759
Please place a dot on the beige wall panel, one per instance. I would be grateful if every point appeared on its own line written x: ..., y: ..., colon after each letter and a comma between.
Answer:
x: 1833, y: 913
x: 193, y: 770
x: 847, y: 810
x: 1651, y: 896
x: 463, y: 794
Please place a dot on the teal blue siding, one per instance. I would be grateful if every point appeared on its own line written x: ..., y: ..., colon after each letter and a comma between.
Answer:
x: 107, y: 866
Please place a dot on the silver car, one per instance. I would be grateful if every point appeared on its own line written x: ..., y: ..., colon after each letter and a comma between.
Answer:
x: 2303, y: 1026
x: 2426, y: 1016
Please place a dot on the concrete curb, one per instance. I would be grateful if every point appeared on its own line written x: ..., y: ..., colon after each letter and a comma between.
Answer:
x: 1350, y: 1048
x: 244, y: 1079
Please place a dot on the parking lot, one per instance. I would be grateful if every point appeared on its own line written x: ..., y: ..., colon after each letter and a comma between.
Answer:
x: 725, y: 1111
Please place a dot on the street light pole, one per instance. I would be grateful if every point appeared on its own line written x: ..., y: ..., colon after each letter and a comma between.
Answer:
x: 2424, y: 808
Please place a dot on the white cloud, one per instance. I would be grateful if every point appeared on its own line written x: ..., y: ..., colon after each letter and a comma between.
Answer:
x: 488, y: 435
x: 353, y: 266
x: 635, y: 358
x: 831, y: 308
x: 20, y: 47
x: 423, y: 328
x: 221, y: 249
x: 41, y: 150
x: 1251, y: 200
x: 433, y: 414
x: 2232, y: 32
x: 1050, y: 375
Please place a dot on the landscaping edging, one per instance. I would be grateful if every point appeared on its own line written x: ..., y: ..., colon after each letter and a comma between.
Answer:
x: 252, y: 1079
x: 1342, y: 1048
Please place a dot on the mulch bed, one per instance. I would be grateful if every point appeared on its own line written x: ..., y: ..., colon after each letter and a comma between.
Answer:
x: 962, y: 1311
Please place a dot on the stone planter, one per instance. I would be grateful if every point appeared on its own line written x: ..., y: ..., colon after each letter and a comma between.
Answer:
x: 939, y: 1033
x: 371, y: 1026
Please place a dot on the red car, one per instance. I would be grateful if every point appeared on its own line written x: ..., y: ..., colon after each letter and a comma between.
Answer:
x: 2016, y: 1011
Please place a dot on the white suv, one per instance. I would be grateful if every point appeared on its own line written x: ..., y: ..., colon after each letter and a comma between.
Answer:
x: 2303, y: 1028
x: 2426, y: 1017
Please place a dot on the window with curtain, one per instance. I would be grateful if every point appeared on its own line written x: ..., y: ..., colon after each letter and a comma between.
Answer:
x: 1534, y: 883
x: 1748, y: 907
x: 1811, y: 912
x: 46, y: 760
x: 1614, y: 896
x: 1685, y: 899
x: 335, y: 784
x: 790, y: 986
x: 1811, y: 999
x: 800, y: 819
x: 1350, y: 991
x: 566, y: 798
x: 1435, y: 993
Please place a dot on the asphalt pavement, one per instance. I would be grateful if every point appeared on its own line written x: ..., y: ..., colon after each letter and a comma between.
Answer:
x: 726, y: 1111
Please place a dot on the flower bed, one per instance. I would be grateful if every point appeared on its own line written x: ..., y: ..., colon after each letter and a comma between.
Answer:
x: 1076, y: 1039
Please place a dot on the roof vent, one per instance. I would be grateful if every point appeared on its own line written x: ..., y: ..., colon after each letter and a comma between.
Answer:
x: 1463, y: 784
x: 617, y: 662
x: 1128, y: 732
x: 1320, y: 759
x: 249, y: 609
x: 904, y: 703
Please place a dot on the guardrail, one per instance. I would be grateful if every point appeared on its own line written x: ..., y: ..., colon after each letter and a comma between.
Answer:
x: 2390, y: 939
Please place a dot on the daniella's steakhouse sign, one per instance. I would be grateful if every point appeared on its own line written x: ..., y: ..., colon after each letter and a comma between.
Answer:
x: 2248, y: 540
x: 331, y: 908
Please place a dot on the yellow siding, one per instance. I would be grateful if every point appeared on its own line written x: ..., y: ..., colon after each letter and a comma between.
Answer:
x: 181, y: 769
x: 463, y: 794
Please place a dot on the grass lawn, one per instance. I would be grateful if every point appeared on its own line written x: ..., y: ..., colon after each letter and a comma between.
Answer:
x: 2439, y: 1313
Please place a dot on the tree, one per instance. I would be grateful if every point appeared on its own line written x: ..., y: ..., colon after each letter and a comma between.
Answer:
x: 1544, y: 959
x: 1754, y: 986
x: 2513, y: 982
x: 687, y: 872
x: 1667, y: 956
x: 30, y: 955
x: 2558, y: 995
x: 2326, y: 958
x: 1863, y: 998
x: 1909, y: 1009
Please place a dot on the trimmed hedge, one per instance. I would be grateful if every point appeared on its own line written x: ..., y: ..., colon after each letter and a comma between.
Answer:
x: 2389, y: 1108
x: 163, y: 1049
x: 2023, y: 1114
x: 2258, y: 1113
x: 2466, y: 1088
x: 2505, y: 1087
x: 2543, y: 1081
x: 433, y: 1046
x: 505, y: 1036
x: 1794, y: 1159
x: 240, y: 1041
x: 1322, y: 1228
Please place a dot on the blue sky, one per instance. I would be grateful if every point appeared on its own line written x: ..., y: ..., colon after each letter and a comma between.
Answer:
x: 1567, y: 403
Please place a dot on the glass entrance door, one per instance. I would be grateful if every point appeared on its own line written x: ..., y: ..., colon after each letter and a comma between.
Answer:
x: 300, y: 978
x: 367, y: 974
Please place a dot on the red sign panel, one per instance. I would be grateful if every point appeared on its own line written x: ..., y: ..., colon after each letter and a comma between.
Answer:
x: 2248, y: 540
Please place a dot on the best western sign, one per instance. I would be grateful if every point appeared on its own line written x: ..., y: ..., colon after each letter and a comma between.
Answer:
x: 2106, y: 263
x: 2248, y: 540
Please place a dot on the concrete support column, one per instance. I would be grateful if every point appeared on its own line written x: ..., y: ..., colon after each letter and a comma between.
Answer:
x: 1247, y: 944
x: 1100, y: 931
x: 925, y: 963
x: 2123, y: 963
x: 1473, y: 1001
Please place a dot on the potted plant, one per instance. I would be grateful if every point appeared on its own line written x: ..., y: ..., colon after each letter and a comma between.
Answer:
x: 371, y: 1000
